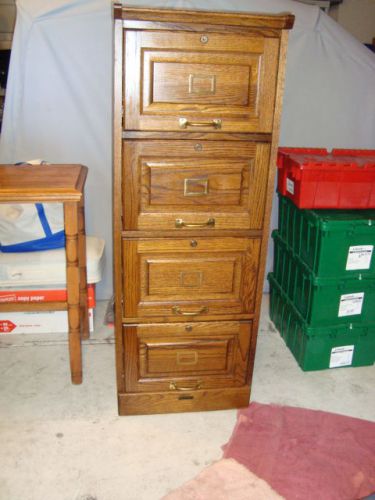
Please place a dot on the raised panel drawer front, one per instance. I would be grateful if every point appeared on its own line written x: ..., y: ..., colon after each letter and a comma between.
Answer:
x: 193, y: 81
x: 189, y: 278
x: 177, y: 185
x: 184, y: 357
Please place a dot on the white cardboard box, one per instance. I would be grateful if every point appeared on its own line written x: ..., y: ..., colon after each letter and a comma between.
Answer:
x: 37, y: 322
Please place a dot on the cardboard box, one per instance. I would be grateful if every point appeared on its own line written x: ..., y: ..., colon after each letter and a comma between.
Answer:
x: 37, y: 322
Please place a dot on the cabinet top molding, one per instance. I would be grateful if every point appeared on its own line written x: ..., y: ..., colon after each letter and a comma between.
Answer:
x: 239, y: 19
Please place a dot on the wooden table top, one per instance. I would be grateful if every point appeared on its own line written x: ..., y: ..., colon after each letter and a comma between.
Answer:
x: 37, y: 183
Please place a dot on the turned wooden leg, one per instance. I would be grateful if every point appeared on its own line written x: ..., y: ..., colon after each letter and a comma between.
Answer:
x: 72, y: 285
x: 85, y: 329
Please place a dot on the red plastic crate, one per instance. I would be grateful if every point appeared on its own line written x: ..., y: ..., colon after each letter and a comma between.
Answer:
x: 315, y: 178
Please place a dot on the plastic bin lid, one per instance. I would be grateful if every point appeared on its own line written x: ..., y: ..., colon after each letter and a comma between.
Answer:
x: 316, y: 158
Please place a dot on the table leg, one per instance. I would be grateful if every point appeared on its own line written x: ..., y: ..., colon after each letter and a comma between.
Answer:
x: 85, y: 330
x: 72, y: 285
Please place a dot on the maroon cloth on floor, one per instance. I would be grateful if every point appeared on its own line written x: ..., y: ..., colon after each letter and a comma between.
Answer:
x: 306, y: 454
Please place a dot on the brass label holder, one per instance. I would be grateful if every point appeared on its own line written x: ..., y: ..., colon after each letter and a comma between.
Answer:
x: 195, y: 187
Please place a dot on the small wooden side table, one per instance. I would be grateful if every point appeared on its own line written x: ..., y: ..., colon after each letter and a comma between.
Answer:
x: 60, y: 184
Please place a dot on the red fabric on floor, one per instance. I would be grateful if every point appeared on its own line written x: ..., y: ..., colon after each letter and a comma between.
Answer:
x: 306, y: 454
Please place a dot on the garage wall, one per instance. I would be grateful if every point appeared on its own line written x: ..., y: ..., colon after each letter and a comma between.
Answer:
x: 357, y: 17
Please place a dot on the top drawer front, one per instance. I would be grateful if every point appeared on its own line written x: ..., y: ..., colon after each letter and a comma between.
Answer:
x: 190, y: 81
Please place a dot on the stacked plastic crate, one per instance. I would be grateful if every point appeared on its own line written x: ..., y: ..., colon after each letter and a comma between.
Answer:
x: 323, y: 283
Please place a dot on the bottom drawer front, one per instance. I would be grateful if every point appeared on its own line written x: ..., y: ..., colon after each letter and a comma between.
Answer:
x: 186, y: 357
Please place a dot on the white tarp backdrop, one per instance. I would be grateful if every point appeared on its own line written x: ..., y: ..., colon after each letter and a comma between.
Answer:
x: 59, y: 92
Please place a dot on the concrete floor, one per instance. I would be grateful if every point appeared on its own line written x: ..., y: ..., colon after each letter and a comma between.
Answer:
x: 64, y: 442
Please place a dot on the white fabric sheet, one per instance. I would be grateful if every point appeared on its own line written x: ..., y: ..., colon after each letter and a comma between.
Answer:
x: 59, y: 101
x: 48, y: 267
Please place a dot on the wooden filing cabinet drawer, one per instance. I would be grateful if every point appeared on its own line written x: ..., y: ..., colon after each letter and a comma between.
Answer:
x: 187, y: 278
x: 183, y: 81
x: 183, y: 184
x: 180, y: 357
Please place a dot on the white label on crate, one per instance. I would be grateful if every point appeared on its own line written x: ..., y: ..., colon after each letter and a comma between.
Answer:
x: 359, y: 257
x: 341, y: 356
x: 351, y: 304
x: 290, y: 185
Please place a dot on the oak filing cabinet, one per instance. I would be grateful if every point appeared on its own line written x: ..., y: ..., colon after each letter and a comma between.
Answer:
x: 197, y: 103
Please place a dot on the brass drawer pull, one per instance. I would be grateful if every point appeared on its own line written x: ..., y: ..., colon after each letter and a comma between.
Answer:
x: 184, y: 123
x: 177, y: 310
x: 174, y: 387
x: 209, y: 223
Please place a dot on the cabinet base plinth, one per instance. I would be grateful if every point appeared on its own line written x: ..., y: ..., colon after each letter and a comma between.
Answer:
x: 176, y: 402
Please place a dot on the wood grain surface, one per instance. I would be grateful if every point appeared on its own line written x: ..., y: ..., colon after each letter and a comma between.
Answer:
x: 38, y: 183
x: 197, y: 110
x: 200, y: 78
x: 173, y: 357
x: 165, y: 181
x: 216, y: 275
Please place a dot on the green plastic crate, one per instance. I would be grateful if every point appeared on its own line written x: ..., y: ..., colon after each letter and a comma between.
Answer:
x: 283, y: 268
x: 319, y: 348
x: 323, y: 301
x: 332, y: 243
